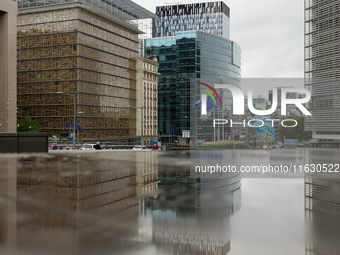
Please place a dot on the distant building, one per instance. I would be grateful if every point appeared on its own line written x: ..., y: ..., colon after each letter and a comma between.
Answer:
x: 84, y: 48
x: 147, y: 97
x: 290, y: 109
x: 8, y: 66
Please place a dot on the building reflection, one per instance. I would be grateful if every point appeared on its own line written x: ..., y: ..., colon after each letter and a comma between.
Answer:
x: 322, y: 204
x: 8, y: 195
x: 75, y: 203
x: 191, y: 214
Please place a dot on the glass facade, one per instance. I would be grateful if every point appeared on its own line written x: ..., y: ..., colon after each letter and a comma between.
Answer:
x: 124, y: 10
x: 192, y: 55
x: 191, y: 42
x: 322, y: 65
x: 74, y: 50
x: 211, y: 17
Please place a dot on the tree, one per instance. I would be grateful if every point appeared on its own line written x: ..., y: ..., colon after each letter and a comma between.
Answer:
x: 28, y: 125
x: 295, y: 132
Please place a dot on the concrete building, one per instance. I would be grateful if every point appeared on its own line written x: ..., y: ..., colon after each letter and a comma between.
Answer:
x: 322, y: 63
x: 147, y: 97
x: 8, y: 66
x: 87, y: 49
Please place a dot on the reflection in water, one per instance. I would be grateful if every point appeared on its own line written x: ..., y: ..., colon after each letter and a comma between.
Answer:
x: 8, y: 220
x: 322, y: 205
x: 94, y: 203
x: 73, y: 203
x: 192, y: 215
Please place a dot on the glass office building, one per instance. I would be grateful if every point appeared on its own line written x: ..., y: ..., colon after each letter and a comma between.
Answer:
x: 192, y: 45
x: 322, y: 63
x: 188, y: 56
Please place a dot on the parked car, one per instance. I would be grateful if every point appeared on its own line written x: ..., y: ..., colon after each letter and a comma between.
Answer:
x: 138, y: 148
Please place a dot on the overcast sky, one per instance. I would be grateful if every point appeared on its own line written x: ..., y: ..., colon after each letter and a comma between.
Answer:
x: 270, y: 33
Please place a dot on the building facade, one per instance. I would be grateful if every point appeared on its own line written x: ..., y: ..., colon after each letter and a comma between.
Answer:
x: 87, y: 49
x: 8, y: 87
x: 322, y: 75
x: 189, y: 55
x: 211, y: 17
x: 147, y: 97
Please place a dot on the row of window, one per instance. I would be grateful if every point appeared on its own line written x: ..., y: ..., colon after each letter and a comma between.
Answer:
x: 150, y: 67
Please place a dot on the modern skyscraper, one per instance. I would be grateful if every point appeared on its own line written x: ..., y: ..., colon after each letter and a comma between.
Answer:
x: 8, y: 88
x: 188, y: 49
x: 322, y: 65
x: 87, y: 49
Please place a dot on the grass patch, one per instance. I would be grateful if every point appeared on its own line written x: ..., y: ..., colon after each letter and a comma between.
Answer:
x: 225, y: 144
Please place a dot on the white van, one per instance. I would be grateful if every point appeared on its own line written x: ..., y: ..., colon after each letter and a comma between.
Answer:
x: 138, y: 148
x: 87, y: 147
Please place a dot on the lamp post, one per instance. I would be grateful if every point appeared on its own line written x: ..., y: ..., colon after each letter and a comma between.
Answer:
x: 77, y: 122
x: 74, y: 115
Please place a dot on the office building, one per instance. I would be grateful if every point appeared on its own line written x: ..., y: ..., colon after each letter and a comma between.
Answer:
x: 322, y: 63
x: 8, y: 66
x: 147, y: 95
x: 211, y: 17
x: 87, y: 49
x: 188, y: 55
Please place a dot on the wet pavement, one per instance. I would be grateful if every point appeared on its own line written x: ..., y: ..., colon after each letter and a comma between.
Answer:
x: 154, y: 203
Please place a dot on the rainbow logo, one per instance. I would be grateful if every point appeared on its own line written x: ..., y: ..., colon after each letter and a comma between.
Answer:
x: 213, y: 90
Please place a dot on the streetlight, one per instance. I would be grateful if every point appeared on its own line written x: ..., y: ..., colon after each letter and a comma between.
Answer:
x: 74, y: 114
x: 141, y: 123
x: 77, y: 122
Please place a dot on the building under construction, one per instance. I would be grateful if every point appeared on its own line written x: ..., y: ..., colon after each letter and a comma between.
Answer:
x: 84, y: 50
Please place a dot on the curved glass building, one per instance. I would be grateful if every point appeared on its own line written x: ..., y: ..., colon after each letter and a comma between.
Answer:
x: 189, y: 57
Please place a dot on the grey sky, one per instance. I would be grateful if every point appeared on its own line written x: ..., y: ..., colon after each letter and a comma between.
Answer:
x: 269, y: 32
